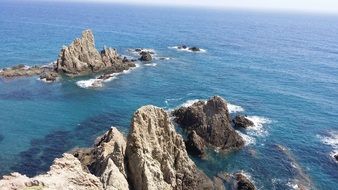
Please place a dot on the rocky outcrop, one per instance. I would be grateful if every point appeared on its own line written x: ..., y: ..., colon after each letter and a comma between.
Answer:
x: 156, y: 154
x: 81, y: 57
x: 241, y: 121
x: 145, y: 56
x: 195, y: 144
x: 106, y: 160
x: 65, y: 172
x: 211, y: 121
x: 22, y: 71
x: 243, y: 183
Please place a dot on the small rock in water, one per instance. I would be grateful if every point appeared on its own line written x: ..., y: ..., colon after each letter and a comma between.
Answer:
x: 49, y: 76
x: 194, y: 49
x: 241, y: 121
x: 336, y: 157
x: 145, y: 56
x: 243, y: 183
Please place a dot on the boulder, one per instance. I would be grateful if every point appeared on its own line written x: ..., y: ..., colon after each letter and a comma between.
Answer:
x: 211, y: 121
x: 65, y: 172
x: 241, y: 121
x: 195, y: 144
x: 81, y: 57
x: 145, y: 56
x: 243, y: 183
x: 157, y: 157
x: 49, y: 76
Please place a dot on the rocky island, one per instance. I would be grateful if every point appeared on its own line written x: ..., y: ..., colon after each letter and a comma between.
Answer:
x: 153, y: 156
x: 79, y: 58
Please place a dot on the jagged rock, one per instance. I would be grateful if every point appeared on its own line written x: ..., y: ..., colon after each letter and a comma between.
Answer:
x: 211, y: 121
x: 106, y: 160
x: 156, y: 154
x: 243, y: 183
x: 195, y: 144
x: 21, y: 71
x: 241, y: 121
x: 49, y: 76
x: 194, y: 49
x: 65, y: 172
x: 145, y: 56
x: 81, y: 57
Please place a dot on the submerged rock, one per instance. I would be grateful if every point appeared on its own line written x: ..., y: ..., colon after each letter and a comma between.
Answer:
x: 145, y: 56
x: 241, y: 121
x: 49, y: 76
x: 65, y: 172
x: 243, y: 183
x: 156, y: 154
x: 81, y: 57
x: 194, y: 49
x: 211, y: 121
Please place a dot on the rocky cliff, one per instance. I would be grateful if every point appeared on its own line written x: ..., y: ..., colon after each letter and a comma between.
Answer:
x: 81, y: 57
x: 153, y: 157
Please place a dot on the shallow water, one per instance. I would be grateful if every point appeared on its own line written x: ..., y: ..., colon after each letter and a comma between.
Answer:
x: 280, y: 67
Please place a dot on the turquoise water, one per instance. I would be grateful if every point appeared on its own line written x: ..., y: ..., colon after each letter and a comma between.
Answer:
x: 281, y: 68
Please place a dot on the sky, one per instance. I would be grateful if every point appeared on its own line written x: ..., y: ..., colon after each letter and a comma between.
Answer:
x: 323, y: 6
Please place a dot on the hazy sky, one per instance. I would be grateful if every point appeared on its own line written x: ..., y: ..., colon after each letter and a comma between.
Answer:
x: 328, y: 6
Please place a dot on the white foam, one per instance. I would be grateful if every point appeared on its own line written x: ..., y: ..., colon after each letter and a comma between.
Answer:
x: 150, y: 64
x: 187, y: 49
x: 149, y: 50
x: 331, y: 140
x: 247, y: 139
x: 90, y: 83
x: 234, y: 108
x: 189, y: 103
x: 49, y: 65
x: 258, y: 128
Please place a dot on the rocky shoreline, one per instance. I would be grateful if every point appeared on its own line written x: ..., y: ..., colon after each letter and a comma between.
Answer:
x: 152, y: 156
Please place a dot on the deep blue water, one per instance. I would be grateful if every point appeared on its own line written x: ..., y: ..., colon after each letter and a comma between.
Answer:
x: 281, y: 68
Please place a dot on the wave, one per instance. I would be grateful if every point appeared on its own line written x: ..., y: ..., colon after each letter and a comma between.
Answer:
x: 98, y: 81
x: 187, y: 49
x: 234, y: 108
x: 331, y: 140
x: 150, y: 64
x: 247, y: 139
x: 189, y: 103
x: 258, y: 128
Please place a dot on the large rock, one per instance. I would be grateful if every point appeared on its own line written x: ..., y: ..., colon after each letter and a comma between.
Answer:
x: 66, y: 172
x: 211, y: 121
x: 156, y: 154
x: 243, y: 183
x: 241, y: 121
x: 106, y: 160
x: 81, y: 57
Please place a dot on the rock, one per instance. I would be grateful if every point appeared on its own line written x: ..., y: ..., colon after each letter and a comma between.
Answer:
x: 182, y: 47
x: 241, y: 121
x: 195, y: 144
x: 106, y: 160
x: 243, y: 183
x: 145, y: 56
x: 211, y: 121
x: 21, y: 71
x: 49, y: 76
x: 194, y: 49
x: 156, y: 155
x: 81, y: 57
x: 104, y: 77
x: 336, y: 157
x: 65, y: 172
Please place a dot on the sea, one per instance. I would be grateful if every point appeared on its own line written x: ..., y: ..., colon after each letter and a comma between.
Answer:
x: 280, y: 69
